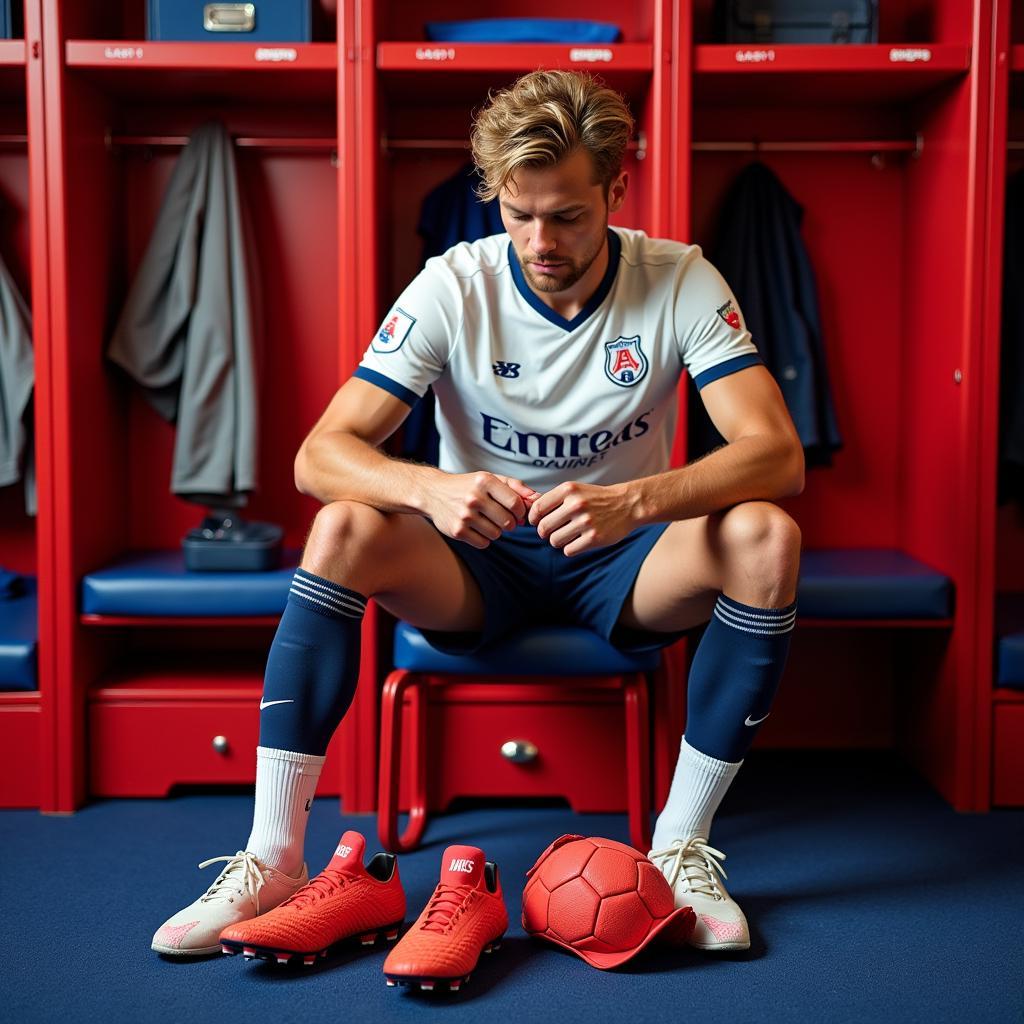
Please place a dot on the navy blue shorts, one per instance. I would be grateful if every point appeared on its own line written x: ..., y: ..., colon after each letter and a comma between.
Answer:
x: 525, y: 581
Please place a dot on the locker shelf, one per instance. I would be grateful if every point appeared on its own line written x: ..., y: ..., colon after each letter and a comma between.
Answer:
x: 238, y: 70
x: 838, y: 73
x: 519, y: 57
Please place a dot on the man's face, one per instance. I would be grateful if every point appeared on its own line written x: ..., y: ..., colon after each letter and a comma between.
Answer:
x: 557, y: 218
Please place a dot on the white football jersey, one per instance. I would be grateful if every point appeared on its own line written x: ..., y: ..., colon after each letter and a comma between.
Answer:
x: 523, y: 392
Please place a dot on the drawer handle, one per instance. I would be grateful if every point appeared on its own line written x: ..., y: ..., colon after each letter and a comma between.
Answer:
x: 220, y: 744
x: 229, y: 17
x: 519, y: 751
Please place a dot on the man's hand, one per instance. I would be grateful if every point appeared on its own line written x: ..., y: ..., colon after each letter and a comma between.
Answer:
x: 477, y: 507
x: 577, y: 517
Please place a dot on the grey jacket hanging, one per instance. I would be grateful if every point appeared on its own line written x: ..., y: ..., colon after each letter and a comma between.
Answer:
x: 186, y: 333
x: 17, y: 379
x: 760, y: 252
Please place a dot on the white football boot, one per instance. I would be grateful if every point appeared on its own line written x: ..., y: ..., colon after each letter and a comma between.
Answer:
x: 694, y: 871
x: 245, y: 889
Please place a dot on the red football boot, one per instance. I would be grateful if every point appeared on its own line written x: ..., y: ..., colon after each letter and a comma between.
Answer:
x: 345, y: 901
x: 465, y: 917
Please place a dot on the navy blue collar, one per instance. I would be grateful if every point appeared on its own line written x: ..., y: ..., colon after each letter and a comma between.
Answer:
x: 595, y: 300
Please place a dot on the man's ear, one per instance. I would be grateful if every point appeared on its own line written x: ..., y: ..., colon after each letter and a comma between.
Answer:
x: 617, y: 192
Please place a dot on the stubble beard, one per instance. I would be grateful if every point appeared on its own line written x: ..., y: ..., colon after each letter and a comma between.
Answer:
x: 572, y: 271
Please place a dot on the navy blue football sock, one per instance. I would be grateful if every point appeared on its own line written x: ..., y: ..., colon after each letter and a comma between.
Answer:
x: 734, y: 676
x: 313, y: 665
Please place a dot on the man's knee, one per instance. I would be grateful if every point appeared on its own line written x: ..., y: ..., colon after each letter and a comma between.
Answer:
x: 348, y: 533
x: 760, y: 531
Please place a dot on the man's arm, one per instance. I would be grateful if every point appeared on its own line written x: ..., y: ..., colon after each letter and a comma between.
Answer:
x: 340, y: 460
x: 762, y: 460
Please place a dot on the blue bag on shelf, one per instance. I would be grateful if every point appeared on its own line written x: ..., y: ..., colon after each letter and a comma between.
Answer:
x: 522, y: 30
x: 6, y: 28
x: 262, y: 21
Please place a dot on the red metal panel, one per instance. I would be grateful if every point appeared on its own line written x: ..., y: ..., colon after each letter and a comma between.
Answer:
x: 1008, y: 755
x: 20, y: 753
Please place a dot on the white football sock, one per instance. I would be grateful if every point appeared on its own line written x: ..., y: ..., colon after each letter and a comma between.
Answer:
x: 285, y: 785
x: 697, y: 789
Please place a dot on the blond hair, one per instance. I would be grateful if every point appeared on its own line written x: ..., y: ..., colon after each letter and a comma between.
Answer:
x: 545, y: 117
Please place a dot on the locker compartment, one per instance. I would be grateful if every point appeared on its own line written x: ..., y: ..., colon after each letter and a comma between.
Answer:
x: 132, y: 106
x: 23, y: 547
x: 870, y: 159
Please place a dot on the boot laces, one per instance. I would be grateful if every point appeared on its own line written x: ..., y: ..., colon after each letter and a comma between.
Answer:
x: 445, y: 906
x: 242, y: 876
x: 327, y: 883
x: 696, y: 864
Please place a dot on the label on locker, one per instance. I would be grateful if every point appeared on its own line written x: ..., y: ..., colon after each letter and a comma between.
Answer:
x: 590, y: 55
x: 276, y: 53
x: 909, y: 55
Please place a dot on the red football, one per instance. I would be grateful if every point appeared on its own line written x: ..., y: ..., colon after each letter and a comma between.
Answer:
x: 602, y: 899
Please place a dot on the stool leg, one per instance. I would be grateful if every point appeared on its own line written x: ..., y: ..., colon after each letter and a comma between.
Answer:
x: 638, y: 754
x: 392, y: 698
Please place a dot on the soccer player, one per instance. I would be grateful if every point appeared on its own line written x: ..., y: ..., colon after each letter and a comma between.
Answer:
x: 554, y: 352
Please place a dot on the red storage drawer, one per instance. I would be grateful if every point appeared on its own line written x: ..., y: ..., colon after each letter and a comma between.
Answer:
x: 578, y: 732
x: 20, y: 719
x: 142, y: 744
x: 1008, y: 755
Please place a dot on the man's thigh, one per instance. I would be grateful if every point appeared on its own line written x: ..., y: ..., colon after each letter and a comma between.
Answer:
x: 400, y: 560
x: 679, y: 581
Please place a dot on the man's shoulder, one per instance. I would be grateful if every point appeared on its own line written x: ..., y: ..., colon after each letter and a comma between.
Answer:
x: 486, y: 256
x: 640, y: 250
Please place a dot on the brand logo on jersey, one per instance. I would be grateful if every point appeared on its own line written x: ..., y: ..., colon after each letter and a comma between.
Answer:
x: 460, y: 864
x: 506, y: 369
x: 730, y: 314
x: 624, y: 361
x: 395, y: 329
x: 343, y: 851
x: 560, y: 451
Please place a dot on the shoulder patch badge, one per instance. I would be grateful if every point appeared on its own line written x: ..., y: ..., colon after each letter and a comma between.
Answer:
x: 395, y: 329
x: 730, y: 314
x: 624, y: 362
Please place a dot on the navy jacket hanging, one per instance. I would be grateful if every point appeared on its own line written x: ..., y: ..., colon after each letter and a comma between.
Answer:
x: 450, y: 214
x: 1011, y: 369
x: 760, y: 253
x: 186, y: 333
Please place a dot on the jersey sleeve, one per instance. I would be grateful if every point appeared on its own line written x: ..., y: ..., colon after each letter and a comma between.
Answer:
x: 712, y: 336
x: 414, y: 341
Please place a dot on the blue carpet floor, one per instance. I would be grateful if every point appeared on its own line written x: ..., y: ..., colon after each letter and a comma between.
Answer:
x: 868, y: 899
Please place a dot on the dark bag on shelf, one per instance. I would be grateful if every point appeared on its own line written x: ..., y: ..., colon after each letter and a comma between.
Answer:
x: 797, y: 21
x: 272, y: 21
x: 224, y: 542
x: 6, y: 27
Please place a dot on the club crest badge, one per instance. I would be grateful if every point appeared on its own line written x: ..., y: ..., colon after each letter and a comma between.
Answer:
x: 730, y: 314
x: 395, y: 329
x: 624, y: 361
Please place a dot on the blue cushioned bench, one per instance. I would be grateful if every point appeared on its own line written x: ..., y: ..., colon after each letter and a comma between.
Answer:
x: 19, y: 638
x: 1010, y: 640
x: 873, y: 583
x: 869, y: 584
x: 156, y: 584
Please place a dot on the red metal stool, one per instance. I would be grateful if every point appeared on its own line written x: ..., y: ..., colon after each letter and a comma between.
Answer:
x: 580, y: 671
